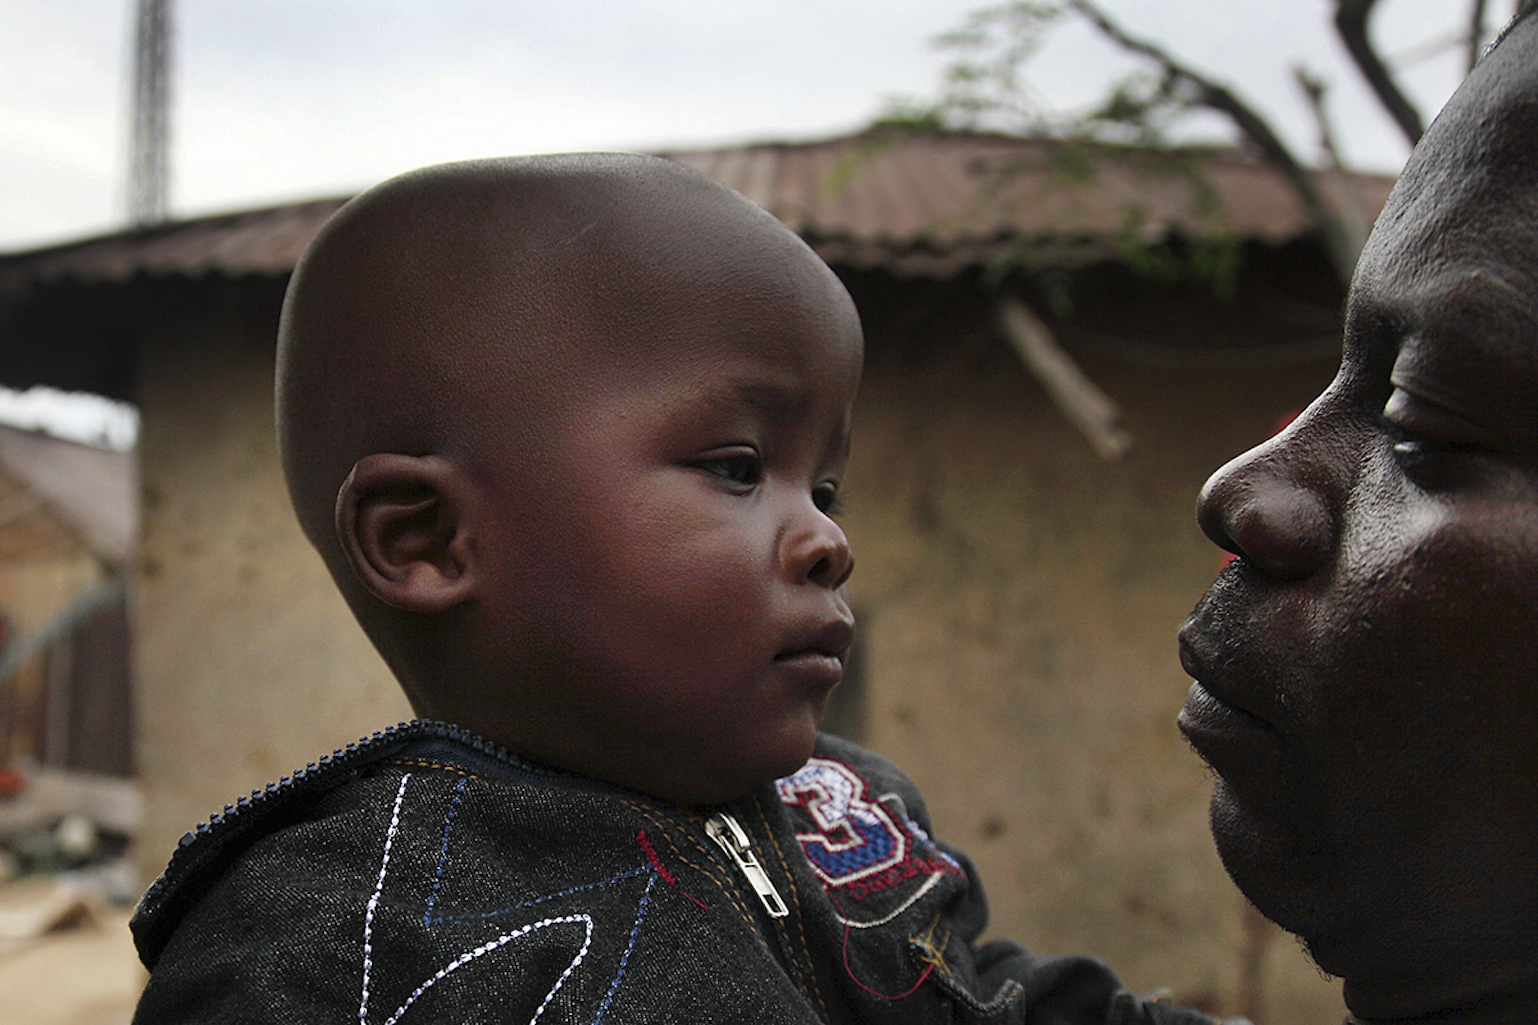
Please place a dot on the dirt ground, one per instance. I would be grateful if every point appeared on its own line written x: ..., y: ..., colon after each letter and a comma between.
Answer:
x: 82, y: 974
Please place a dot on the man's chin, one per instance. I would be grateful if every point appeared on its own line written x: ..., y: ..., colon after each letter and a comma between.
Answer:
x: 1277, y: 868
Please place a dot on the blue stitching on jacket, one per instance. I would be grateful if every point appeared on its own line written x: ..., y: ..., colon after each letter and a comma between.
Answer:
x: 496, y: 944
x: 625, y: 957
x: 601, y: 884
x: 443, y: 854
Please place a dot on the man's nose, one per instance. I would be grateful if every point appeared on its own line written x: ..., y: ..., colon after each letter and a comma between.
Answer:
x: 1270, y: 508
x: 816, y: 551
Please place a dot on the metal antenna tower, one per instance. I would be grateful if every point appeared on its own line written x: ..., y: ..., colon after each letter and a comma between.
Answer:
x: 148, y: 181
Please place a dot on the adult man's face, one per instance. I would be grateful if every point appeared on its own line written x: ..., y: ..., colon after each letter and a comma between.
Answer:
x: 1367, y: 671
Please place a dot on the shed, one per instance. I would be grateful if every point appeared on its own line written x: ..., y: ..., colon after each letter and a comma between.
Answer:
x: 66, y: 534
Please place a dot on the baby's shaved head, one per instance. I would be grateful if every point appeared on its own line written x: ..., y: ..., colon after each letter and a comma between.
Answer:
x: 432, y: 288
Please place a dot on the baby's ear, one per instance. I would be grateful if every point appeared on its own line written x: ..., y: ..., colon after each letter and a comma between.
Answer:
x: 406, y: 523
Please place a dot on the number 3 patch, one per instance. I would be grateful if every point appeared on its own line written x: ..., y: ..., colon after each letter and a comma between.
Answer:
x: 855, y: 840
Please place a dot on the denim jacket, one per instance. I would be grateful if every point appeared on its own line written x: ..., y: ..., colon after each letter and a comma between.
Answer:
x: 424, y: 875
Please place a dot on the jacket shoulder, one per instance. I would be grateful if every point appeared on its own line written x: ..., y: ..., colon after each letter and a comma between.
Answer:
x: 208, y: 852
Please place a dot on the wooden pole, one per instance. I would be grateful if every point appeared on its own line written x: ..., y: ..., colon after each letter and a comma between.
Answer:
x: 1089, y: 409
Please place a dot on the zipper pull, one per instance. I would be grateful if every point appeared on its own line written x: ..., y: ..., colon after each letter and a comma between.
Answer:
x: 726, y: 831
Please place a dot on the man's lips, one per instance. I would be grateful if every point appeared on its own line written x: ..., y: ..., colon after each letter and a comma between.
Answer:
x: 1206, y: 712
x: 1228, y: 735
x: 1216, y: 678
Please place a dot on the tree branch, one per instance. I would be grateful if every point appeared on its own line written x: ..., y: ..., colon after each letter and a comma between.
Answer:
x: 1337, y: 238
x: 1354, y: 217
x: 1476, y: 31
x: 1351, y: 25
x: 1091, y: 410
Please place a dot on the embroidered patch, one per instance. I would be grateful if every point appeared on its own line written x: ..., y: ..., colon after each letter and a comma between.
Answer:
x: 858, y: 845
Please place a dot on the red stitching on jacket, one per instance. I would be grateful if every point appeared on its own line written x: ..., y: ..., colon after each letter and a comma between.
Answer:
x: 661, y: 869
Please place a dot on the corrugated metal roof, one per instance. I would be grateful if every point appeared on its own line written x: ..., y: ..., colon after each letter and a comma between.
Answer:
x: 923, y: 205
x: 932, y: 204
x: 94, y: 490
x: 260, y: 242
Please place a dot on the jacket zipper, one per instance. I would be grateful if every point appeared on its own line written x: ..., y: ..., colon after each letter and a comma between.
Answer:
x: 726, y: 831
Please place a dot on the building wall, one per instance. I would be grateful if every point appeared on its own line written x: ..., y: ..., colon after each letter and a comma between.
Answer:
x: 248, y: 663
x: 1019, y: 600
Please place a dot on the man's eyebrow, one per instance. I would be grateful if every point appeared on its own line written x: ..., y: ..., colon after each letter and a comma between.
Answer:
x: 1481, y: 291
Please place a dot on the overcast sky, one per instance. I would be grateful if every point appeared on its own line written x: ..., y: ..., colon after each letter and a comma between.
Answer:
x: 277, y: 100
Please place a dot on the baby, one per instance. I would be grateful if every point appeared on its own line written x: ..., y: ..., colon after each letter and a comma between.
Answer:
x: 569, y: 433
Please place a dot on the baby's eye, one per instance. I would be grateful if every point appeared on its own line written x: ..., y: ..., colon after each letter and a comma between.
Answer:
x: 825, y: 498
x: 739, y: 469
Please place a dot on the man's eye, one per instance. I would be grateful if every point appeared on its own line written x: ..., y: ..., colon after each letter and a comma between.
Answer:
x: 1431, y: 462
x: 825, y: 498
x: 1416, y: 451
x: 741, y: 470
x: 1431, y: 444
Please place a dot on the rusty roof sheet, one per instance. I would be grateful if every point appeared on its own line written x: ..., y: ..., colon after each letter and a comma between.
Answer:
x: 92, y: 490
x: 917, y: 205
x: 253, y: 242
x: 932, y: 204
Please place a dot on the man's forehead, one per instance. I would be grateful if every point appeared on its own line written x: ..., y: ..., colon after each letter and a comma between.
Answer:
x: 1482, y: 149
x: 1468, y: 198
x: 1474, y: 328
x: 1457, y: 289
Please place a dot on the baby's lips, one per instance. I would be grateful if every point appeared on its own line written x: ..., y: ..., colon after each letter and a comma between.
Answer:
x: 831, y: 638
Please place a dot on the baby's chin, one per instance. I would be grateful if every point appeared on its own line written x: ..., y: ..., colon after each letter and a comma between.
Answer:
x: 697, y: 767
x: 732, y: 775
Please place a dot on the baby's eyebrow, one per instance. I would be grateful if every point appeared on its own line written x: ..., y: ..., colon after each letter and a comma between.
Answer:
x: 782, y: 404
x: 777, y: 401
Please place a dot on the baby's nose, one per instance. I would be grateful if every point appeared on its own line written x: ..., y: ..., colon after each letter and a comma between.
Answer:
x: 817, y: 552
